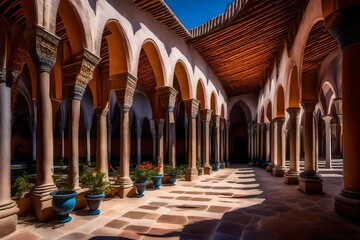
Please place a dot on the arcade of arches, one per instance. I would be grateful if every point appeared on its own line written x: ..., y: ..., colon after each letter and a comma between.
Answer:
x: 121, y: 82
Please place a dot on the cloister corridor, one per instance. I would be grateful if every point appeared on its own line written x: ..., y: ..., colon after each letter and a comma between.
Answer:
x: 239, y: 202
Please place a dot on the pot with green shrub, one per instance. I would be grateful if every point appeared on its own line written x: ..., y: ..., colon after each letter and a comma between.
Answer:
x: 172, y: 172
x: 98, y: 185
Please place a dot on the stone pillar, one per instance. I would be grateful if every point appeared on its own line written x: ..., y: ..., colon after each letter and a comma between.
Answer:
x: 309, y: 181
x: 8, y: 208
x: 206, y: 118
x: 327, y: 119
x: 138, y: 146
x: 88, y: 147
x: 222, y: 162
x: 271, y: 165
x: 42, y: 47
x: 76, y: 76
x: 153, y: 135
x: 316, y: 149
x: 292, y: 175
x: 267, y: 143
x: 192, y: 108
x: 160, y: 139
x: 249, y: 141
x: 339, y: 112
x: 167, y: 97
x: 227, y: 129
x: 101, y: 141
x: 217, y: 137
x: 262, y: 126
x: 124, y: 86
x: 198, y: 140
x: 344, y: 24
x: 279, y: 169
x: 109, y: 135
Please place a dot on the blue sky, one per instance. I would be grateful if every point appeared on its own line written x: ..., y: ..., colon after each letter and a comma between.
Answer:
x: 193, y: 13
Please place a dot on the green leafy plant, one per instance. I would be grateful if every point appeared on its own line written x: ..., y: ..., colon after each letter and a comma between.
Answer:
x: 21, y: 185
x: 96, y: 181
x: 145, y: 171
x: 114, y: 172
x: 60, y: 178
x: 198, y: 163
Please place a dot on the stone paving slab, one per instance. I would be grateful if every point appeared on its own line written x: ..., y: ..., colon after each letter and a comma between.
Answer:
x: 233, y: 203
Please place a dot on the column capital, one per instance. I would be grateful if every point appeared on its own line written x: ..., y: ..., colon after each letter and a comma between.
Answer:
x: 293, y: 112
x: 78, y: 72
x: 216, y: 121
x: 308, y: 105
x: 205, y: 115
x: 124, y: 85
x: 343, y: 22
x: 42, y: 47
x: 7, y: 77
x: 167, y: 96
x: 327, y: 118
x: 278, y: 120
x: 192, y: 107
x: 338, y: 105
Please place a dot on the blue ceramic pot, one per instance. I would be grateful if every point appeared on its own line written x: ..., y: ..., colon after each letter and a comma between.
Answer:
x: 216, y: 166
x: 172, y: 179
x: 93, y: 201
x: 140, y: 188
x: 63, y: 203
x: 157, y: 181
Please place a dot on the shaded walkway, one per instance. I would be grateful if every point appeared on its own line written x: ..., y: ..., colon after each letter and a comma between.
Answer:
x: 239, y: 202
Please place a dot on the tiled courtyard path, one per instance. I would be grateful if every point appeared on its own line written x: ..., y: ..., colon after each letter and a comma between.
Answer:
x: 235, y: 203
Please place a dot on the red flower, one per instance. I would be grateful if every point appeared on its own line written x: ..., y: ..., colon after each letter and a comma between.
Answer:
x: 110, y: 167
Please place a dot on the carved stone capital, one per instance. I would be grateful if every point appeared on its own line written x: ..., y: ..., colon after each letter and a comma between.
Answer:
x: 42, y: 47
x: 167, y: 97
x: 344, y: 25
x: 338, y: 106
x: 216, y: 121
x: 124, y: 85
x: 279, y: 121
x: 327, y: 118
x: 308, y: 105
x: 293, y: 112
x: 192, y: 107
x: 7, y: 77
x: 205, y: 115
x: 78, y: 73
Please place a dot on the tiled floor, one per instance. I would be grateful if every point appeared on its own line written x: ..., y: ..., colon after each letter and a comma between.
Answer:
x: 236, y: 203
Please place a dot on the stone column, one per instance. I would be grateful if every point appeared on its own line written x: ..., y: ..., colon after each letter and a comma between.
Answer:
x: 249, y: 141
x: 42, y: 47
x: 153, y: 135
x: 101, y: 141
x: 124, y: 86
x: 262, y: 126
x: 138, y: 146
x: 316, y: 149
x: 271, y: 165
x: 309, y: 181
x: 109, y: 135
x: 206, y: 118
x: 198, y: 140
x: 160, y: 139
x: 88, y: 147
x: 192, y: 108
x: 279, y: 169
x: 217, y: 137
x: 292, y: 175
x: 222, y: 163
x: 344, y: 24
x: 8, y: 208
x: 76, y: 76
x: 327, y: 119
x: 339, y: 112
x: 167, y: 97
x: 267, y: 144
x: 227, y: 129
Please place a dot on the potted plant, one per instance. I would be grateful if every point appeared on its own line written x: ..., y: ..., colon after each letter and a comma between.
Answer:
x: 156, y: 176
x: 64, y: 200
x: 18, y: 192
x: 143, y: 174
x: 171, y: 172
x: 98, y: 186
x: 199, y: 168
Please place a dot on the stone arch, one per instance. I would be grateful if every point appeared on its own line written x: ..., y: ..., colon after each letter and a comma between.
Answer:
x: 30, y: 9
x: 327, y: 96
x: 280, y: 102
x: 200, y: 94
x: 262, y: 115
x: 269, y: 110
x: 294, y: 90
x: 222, y: 114
x: 213, y: 103
x: 182, y: 75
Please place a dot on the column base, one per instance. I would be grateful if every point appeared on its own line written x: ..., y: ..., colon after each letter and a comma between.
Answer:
x: 270, y: 167
x: 279, y: 171
x: 207, y: 169
x: 191, y: 174
x: 291, y: 177
x: 310, y: 183
x: 8, y: 218
x: 41, y: 202
x: 200, y: 171
x: 222, y: 165
x: 123, y: 187
x: 347, y: 204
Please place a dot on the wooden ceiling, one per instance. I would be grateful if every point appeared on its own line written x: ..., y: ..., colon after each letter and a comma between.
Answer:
x: 14, y: 11
x: 242, y: 53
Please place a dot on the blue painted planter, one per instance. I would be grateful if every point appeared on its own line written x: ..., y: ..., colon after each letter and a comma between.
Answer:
x: 172, y: 179
x: 216, y: 166
x: 140, y: 188
x: 93, y: 201
x: 63, y: 203
x: 157, y: 181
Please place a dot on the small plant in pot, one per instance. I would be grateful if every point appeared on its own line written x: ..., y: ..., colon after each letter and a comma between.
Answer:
x: 20, y: 186
x: 141, y: 176
x: 64, y: 200
x: 172, y: 172
x: 98, y: 186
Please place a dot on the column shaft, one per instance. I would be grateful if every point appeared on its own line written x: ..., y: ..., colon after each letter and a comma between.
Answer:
x: 73, y: 167
x: 101, y: 141
x: 291, y: 176
x: 88, y: 147
x: 279, y: 169
x: 206, y: 117
x: 327, y: 120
